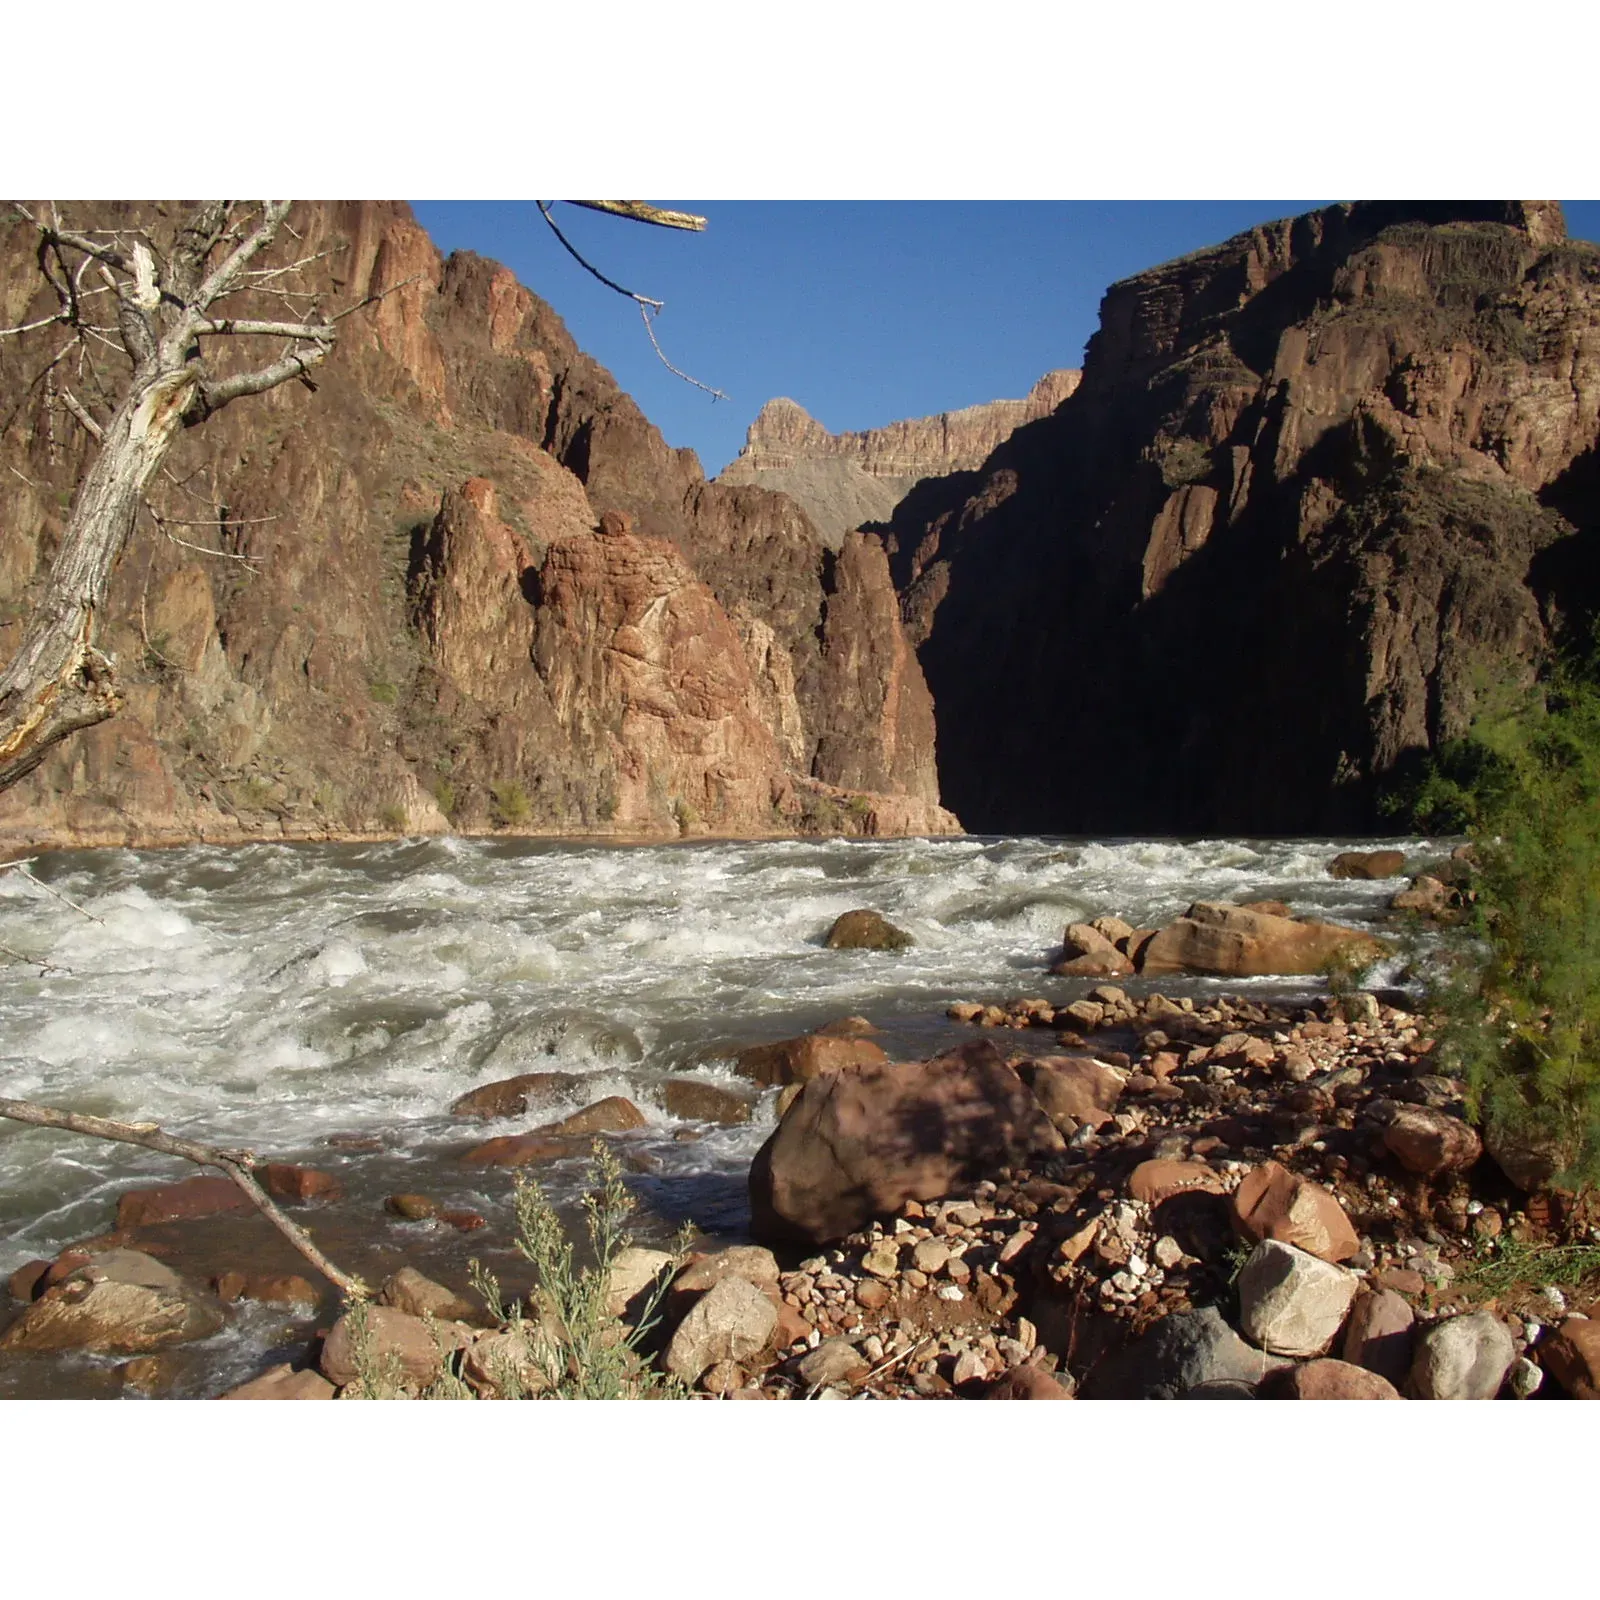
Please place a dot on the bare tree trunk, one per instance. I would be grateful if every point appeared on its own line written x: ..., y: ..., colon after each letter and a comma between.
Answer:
x: 58, y: 682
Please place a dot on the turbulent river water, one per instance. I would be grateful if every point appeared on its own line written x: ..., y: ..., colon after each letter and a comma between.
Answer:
x: 272, y: 996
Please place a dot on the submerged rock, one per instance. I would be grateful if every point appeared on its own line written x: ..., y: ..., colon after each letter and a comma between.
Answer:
x: 866, y: 930
x: 1228, y: 941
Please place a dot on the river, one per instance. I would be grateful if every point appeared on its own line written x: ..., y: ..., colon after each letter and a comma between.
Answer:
x: 272, y: 996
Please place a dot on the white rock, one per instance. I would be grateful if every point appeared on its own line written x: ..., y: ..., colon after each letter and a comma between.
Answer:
x: 1290, y: 1302
x: 1525, y: 1377
x: 1463, y: 1358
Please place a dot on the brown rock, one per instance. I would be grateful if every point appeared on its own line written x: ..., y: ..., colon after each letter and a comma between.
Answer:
x: 846, y: 1028
x: 120, y: 1301
x: 873, y: 1294
x: 857, y: 1144
x: 1229, y: 941
x: 299, y: 1185
x: 283, y: 1383
x: 732, y: 1321
x: 1336, y: 1380
x: 1027, y: 1382
x: 510, y: 1097
x: 508, y: 1362
x: 1370, y: 864
x: 1274, y: 1203
x: 464, y: 1221
x: 749, y: 1262
x: 178, y: 1202
x: 800, y: 1060
x: 519, y: 1150
x: 614, y: 1114
x: 1089, y: 953
x: 1430, y: 1142
x: 409, y: 1291
x: 1379, y: 1334
x: 866, y: 930
x: 413, y: 1207
x: 1152, y: 1182
x: 277, y: 1289
x: 396, y: 1341
x: 1572, y: 1357
x: 1075, y: 1091
x: 695, y: 1100
x: 1401, y: 1280
x: 28, y: 1277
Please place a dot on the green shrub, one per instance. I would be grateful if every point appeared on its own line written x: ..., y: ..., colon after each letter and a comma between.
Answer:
x: 511, y: 805
x: 393, y: 817
x: 1185, y: 461
x: 383, y: 692
x: 1524, y: 1008
x: 684, y: 814
x: 445, y: 796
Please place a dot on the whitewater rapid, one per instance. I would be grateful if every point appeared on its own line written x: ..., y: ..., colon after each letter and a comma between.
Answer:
x: 271, y: 996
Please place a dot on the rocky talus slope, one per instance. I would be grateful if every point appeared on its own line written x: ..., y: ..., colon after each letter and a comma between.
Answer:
x: 463, y: 584
x: 1317, y: 484
x: 847, y: 480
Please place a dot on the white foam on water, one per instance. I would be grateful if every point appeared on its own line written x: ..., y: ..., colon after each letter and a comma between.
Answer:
x: 272, y: 994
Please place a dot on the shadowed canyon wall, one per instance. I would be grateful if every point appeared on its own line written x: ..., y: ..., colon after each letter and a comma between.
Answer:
x: 1317, y: 484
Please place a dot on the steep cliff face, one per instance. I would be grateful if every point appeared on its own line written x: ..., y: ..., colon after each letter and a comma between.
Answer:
x: 846, y: 480
x: 463, y: 584
x: 1316, y: 484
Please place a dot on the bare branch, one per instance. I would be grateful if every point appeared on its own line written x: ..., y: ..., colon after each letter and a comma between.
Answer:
x: 643, y: 211
x: 77, y: 408
x: 222, y: 280
x: 716, y: 394
x: 322, y: 332
x: 22, y: 866
x: 45, y: 967
x: 215, y: 394
x: 373, y: 299
x: 236, y: 1164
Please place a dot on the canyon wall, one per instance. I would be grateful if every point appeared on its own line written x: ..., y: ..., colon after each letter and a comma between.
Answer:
x: 463, y: 584
x: 1318, y: 486
x: 846, y: 480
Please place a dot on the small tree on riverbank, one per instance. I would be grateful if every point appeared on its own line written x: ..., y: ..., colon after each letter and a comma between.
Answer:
x: 1525, y: 1028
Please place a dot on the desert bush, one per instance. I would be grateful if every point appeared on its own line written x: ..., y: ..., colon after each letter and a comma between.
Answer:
x: 511, y: 805
x: 1185, y: 461
x: 1524, y: 1004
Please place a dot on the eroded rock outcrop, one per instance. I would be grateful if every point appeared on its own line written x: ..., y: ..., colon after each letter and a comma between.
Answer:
x: 392, y: 634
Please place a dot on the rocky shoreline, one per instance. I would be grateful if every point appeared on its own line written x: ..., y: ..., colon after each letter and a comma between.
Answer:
x: 1119, y: 1196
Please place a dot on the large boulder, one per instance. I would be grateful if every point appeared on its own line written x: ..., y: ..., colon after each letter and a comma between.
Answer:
x: 855, y: 1145
x: 120, y: 1301
x: 867, y: 930
x: 614, y: 1114
x: 1530, y: 1157
x: 1463, y: 1358
x: 1274, y: 1203
x: 695, y: 1100
x: 1290, y: 1302
x: 802, y: 1059
x: 1369, y: 864
x: 1178, y: 1353
x: 1088, y: 952
x: 1231, y: 942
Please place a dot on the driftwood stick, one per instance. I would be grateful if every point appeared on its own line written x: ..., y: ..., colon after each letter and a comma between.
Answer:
x: 236, y: 1164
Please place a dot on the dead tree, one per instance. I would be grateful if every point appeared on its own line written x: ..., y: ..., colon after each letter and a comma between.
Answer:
x: 168, y: 314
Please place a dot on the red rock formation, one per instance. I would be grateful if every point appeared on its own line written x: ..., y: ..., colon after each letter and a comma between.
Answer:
x: 394, y: 635
x: 1315, y: 482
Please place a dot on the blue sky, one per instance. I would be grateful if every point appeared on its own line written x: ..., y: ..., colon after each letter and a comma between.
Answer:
x: 863, y: 311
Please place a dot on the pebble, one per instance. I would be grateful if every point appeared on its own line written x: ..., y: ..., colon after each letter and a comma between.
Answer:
x: 1525, y: 1377
x: 950, y: 1291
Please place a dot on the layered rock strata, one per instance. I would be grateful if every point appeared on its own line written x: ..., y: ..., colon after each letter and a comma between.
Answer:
x: 846, y: 480
x: 465, y: 584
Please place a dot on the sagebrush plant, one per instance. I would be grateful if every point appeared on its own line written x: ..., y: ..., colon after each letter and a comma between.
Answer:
x: 1524, y: 1007
x: 577, y: 1348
